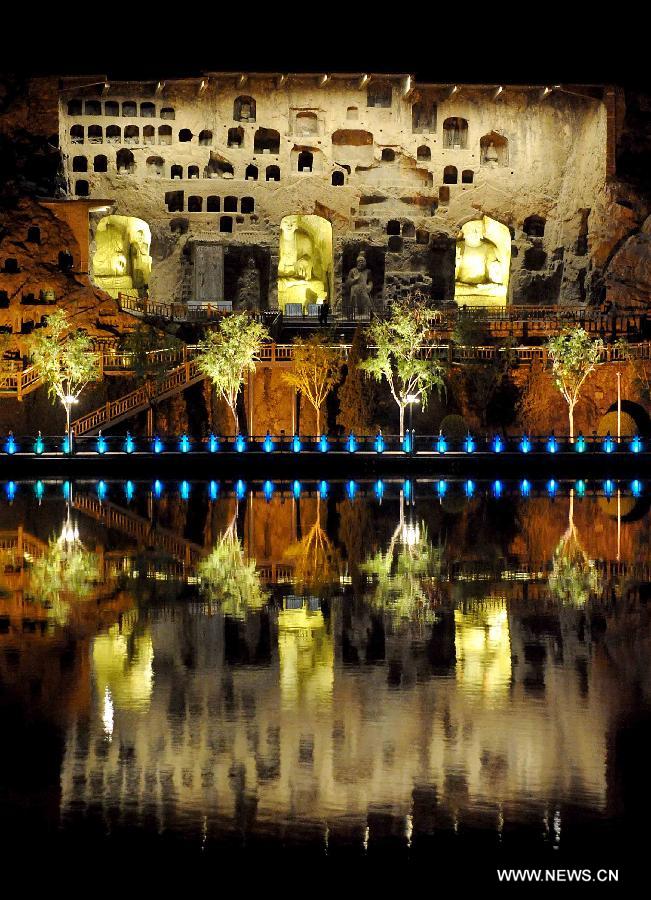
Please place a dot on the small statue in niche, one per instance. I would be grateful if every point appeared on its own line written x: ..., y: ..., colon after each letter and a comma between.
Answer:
x: 248, y: 288
x: 245, y: 112
x: 360, y: 286
x: 491, y: 156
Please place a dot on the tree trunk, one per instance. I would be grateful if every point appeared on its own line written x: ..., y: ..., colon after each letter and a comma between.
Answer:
x: 234, y: 411
x: 318, y: 419
x: 570, y: 410
x: 402, y: 421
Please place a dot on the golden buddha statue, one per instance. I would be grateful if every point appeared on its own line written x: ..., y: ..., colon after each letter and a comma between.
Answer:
x: 482, y: 263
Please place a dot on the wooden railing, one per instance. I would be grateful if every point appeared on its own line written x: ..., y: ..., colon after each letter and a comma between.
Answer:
x: 179, y: 312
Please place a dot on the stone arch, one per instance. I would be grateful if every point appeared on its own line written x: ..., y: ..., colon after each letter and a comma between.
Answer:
x: 112, y: 108
x: 637, y: 413
x: 244, y: 109
x: 100, y: 163
x: 79, y: 164
x: 230, y: 204
x: 149, y: 134
x: 147, y: 110
x: 81, y: 187
x: 131, y: 134
x: 493, y: 150
x: 129, y: 109
x: 393, y: 226
x: 226, y: 224
x: 205, y: 138
x: 74, y: 107
x: 92, y: 108
x: 77, y: 134
x: 125, y: 161
x: 195, y: 204
x: 455, y: 133
x: 164, y: 134
x: 534, y: 226
x: 272, y: 173
x: 251, y: 173
x: 338, y: 178
x: 379, y: 94
x: 185, y: 135
x: 168, y: 112
x: 176, y: 171
x: 247, y: 205
x: 450, y: 175
x: 423, y: 153
x: 155, y: 165
x: 213, y: 204
x: 388, y: 154
x: 467, y: 176
x: 266, y: 140
x: 235, y: 137
x: 193, y: 171
x: 113, y: 134
x: 307, y: 123
x: 95, y: 134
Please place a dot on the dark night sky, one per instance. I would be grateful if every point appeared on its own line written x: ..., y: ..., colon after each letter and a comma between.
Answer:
x: 437, y: 45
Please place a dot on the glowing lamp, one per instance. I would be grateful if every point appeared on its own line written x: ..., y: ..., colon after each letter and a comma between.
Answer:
x: 158, y: 488
x: 101, y: 490
x: 407, y: 490
x: 323, y: 444
x: 636, y: 444
x: 580, y: 444
x: 323, y: 490
x: 184, y: 490
x: 240, y: 444
x: 213, y: 443
x: 101, y: 443
x: 351, y: 443
x: 608, y: 444
x: 498, y: 444
x: 39, y: 490
x: 39, y: 445
x: 525, y: 444
x: 552, y: 443
x: 129, y: 444
x: 10, y: 488
x: 129, y: 491
x: 407, y: 443
x: 157, y: 445
x: 636, y: 488
x: 609, y: 487
x: 184, y: 444
x: 580, y: 488
x: 525, y: 488
x: 469, y: 444
x: 379, y: 443
x: 67, y: 490
x: 267, y: 444
x: 268, y: 490
x: 296, y: 444
x: 551, y: 487
x: 441, y: 488
x: 469, y: 488
x: 441, y: 444
x: 296, y: 489
x: 240, y: 490
x: 213, y: 490
x: 497, y: 489
x: 379, y: 489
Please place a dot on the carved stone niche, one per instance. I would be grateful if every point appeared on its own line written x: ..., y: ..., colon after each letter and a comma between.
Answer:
x: 440, y: 265
x: 208, y: 271
x: 362, y: 276
x: 246, y: 277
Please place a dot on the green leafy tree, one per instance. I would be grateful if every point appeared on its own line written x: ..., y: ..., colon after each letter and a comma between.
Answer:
x: 230, y: 579
x: 357, y: 395
x: 396, y: 345
x: 574, y: 356
x: 317, y: 369
x: 228, y: 353
x: 574, y: 579
x: 64, y: 359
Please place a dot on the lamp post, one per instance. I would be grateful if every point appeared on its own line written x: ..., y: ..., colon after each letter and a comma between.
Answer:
x: 619, y: 407
x: 410, y: 400
x: 68, y: 401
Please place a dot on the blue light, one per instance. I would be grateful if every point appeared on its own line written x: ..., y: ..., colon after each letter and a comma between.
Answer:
x: 441, y: 488
x: 441, y: 444
x: 101, y: 490
x: 39, y: 445
x: 10, y: 488
x: 129, y: 491
x: 66, y: 488
x: 636, y: 444
x: 296, y: 444
x: 580, y: 445
x: 379, y: 443
x: 213, y: 490
x: 552, y: 444
x: 379, y: 489
x: 101, y: 443
x: 240, y: 490
x: 551, y: 487
x: 267, y: 444
x: 39, y: 490
x: 129, y: 445
x: 497, y: 489
x: 158, y: 488
x: 525, y: 488
x: 323, y: 490
x: 158, y: 445
x: 498, y: 444
x: 213, y: 443
x: 351, y: 443
x: 525, y: 444
x: 636, y: 488
x: 323, y: 444
x: 351, y: 490
x: 296, y: 489
x: 10, y: 444
x: 609, y: 487
x: 268, y: 490
x: 407, y: 443
x: 469, y: 444
x: 184, y: 490
x: 580, y: 488
x: 65, y: 445
x: 407, y: 490
x: 609, y: 444
x: 240, y: 444
x: 184, y: 444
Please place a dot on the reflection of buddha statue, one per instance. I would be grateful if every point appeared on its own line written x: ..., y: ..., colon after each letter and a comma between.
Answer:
x: 301, y: 278
x: 248, y: 288
x: 360, y: 285
x: 482, y: 263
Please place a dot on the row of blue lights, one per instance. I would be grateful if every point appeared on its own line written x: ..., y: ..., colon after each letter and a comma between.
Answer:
x: 469, y: 445
x: 441, y: 488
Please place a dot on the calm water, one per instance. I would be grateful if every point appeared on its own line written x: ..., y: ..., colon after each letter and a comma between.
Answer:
x: 341, y: 672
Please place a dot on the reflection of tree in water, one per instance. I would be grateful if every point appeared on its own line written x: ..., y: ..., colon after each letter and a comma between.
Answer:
x: 228, y: 578
x: 316, y: 560
x: 403, y: 575
x: 64, y: 573
x: 574, y: 578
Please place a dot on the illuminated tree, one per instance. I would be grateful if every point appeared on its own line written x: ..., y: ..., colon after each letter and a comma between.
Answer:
x: 64, y: 359
x: 574, y: 356
x: 228, y: 353
x: 228, y: 578
x: 396, y: 355
x: 315, y: 559
x: 574, y: 578
x: 317, y: 369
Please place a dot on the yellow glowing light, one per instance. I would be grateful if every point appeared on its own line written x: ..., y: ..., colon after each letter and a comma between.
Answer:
x: 482, y: 263
x: 123, y: 668
x: 305, y: 261
x: 483, y: 649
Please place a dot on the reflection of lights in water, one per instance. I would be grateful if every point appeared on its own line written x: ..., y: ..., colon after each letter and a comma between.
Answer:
x: 410, y: 534
x: 525, y: 487
x: 69, y: 532
x: 296, y: 489
x: 107, y: 713
x: 123, y: 664
x: 379, y: 489
x: 306, y: 653
x: 268, y: 490
x: 557, y: 827
x: 323, y: 490
x: 213, y: 490
x: 483, y: 648
x: 409, y: 828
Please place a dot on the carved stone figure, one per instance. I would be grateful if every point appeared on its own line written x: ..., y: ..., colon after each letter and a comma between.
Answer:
x: 491, y: 157
x: 360, y: 287
x: 248, y: 288
x: 305, y: 246
x: 482, y: 263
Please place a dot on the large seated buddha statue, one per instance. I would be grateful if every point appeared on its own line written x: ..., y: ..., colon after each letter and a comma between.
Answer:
x: 482, y: 263
x: 300, y: 268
